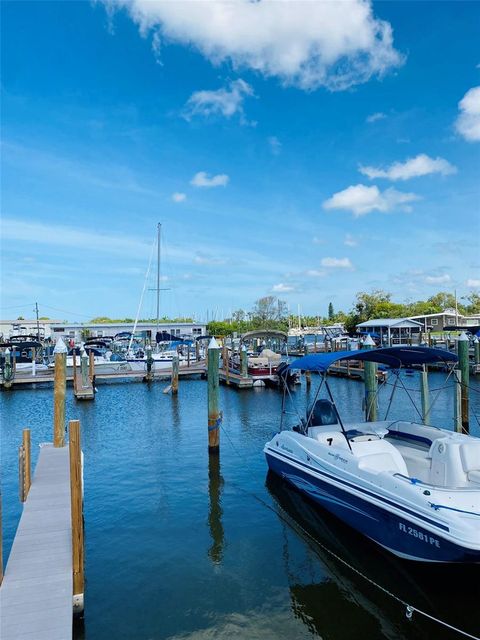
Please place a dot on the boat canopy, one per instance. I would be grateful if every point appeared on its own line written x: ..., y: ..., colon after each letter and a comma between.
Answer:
x: 393, y: 357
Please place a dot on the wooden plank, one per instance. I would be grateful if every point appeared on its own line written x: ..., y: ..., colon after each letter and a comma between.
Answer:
x: 36, y: 593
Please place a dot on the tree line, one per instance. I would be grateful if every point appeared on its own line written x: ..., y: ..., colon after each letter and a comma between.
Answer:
x: 271, y: 313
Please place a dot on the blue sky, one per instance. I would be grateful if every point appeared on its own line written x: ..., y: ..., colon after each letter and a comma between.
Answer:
x: 307, y: 151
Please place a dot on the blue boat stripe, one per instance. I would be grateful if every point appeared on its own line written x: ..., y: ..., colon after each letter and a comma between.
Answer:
x: 369, y: 493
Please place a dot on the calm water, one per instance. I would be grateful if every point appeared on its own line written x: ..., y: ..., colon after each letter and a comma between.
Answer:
x: 178, y: 546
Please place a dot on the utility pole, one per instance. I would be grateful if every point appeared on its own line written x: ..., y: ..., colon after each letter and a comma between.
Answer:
x: 38, y: 325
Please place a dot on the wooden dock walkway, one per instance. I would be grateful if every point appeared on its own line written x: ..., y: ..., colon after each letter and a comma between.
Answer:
x: 47, y: 377
x: 36, y: 593
x: 235, y: 379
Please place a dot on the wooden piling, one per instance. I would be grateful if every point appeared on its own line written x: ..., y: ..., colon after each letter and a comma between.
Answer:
x: 148, y: 350
x: 59, y: 390
x: 226, y: 368
x: 464, y: 366
x: 371, y: 384
x: 457, y: 402
x: 27, y: 462
x: 476, y: 350
x: 21, y: 473
x: 76, y: 495
x: 197, y: 350
x: 34, y: 363
x: 214, y: 415
x: 91, y: 366
x: 74, y: 367
x: 84, y: 368
x: 7, y: 370
x: 308, y: 379
x: 175, y: 364
x: 188, y: 356
x: 244, y: 362
x: 425, y: 396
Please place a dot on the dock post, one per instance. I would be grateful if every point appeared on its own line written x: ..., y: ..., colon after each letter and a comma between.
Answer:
x: 197, y: 350
x: 308, y: 379
x: 464, y: 366
x: 476, y: 348
x: 148, y: 350
x: 7, y: 370
x: 76, y: 495
x: 244, y: 362
x: 74, y: 367
x: 425, y: 396
x: 175, y: 364
x: 27, y: 464
x: 226, y: 368
x: 188, y: 356
x: 214, y: 415
x: 34, y: 363
x: 91, y: 366
x: 84, y: 368
x: 59, y: 389
x: 371, y: 384
x: 457, y: 403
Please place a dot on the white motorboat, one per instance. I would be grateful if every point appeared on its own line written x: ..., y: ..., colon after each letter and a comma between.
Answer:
x: 102, y: 365
x: 412, y: 488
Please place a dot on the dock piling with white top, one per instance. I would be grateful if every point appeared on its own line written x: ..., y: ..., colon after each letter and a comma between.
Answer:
x: 464, y: 366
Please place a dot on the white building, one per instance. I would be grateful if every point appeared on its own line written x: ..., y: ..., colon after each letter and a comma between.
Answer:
x: 80, y: 331
x: 391, y: 331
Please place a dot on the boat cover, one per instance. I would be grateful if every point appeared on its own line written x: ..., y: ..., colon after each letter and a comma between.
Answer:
x: 393, y: 357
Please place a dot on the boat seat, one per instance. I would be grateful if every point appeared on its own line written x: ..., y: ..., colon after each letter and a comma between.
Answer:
x: 418, y: 461
x: 330, y: 437
x: 470, y: 457
x: 379, y: 455
x: 474, y: 476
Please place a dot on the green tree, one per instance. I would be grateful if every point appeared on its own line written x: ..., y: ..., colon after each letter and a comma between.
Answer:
x: 331, y: 312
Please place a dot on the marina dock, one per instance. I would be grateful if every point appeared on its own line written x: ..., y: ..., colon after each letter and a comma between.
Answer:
x: 47, y: 377
x: 36, y: 593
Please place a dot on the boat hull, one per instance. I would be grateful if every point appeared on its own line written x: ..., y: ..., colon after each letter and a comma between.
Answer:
x: 398, y: 534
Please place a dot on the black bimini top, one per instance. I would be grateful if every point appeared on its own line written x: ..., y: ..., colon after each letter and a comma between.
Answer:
x: 393, y: 357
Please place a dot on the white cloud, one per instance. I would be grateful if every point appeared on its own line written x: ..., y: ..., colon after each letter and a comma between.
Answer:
x: 336, y: 263
x: 203, y: 179
x: 282, y: 288
x: 468, y: 122
x: 421, y: 165
x: 179, y: 197
x: 473, y: 283
x: 224, y: 102
x: 316, y: 273
x: 305, y: 44
x: 361, y: 199
x: 350, y: 241
x: 275, y: 145
x: 444, y: 279
x: 206, y: 259
x: 376, y: 116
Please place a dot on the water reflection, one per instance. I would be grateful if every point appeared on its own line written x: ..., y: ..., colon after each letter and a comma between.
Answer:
x: 215, y: 512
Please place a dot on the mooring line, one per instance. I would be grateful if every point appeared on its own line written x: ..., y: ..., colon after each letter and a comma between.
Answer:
x: 295, y: 526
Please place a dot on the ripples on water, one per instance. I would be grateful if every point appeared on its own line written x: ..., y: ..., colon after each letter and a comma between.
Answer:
x: 181, y: 547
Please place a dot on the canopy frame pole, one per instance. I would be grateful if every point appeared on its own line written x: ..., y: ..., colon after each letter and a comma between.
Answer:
x: 411, y: 399
x: 283, y: 405
x: 309, y: 417
x: 395, y: 372
x: 336, y: 411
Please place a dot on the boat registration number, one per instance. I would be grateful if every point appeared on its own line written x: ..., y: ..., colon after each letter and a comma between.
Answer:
x: 418, y: 534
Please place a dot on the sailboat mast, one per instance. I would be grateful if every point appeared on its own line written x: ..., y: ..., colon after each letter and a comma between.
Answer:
x: 159, y: 231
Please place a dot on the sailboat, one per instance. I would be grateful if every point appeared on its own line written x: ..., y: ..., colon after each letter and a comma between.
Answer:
x: 162, y: 358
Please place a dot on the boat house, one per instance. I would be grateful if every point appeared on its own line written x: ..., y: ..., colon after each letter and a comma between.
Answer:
x: 392, y: 331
